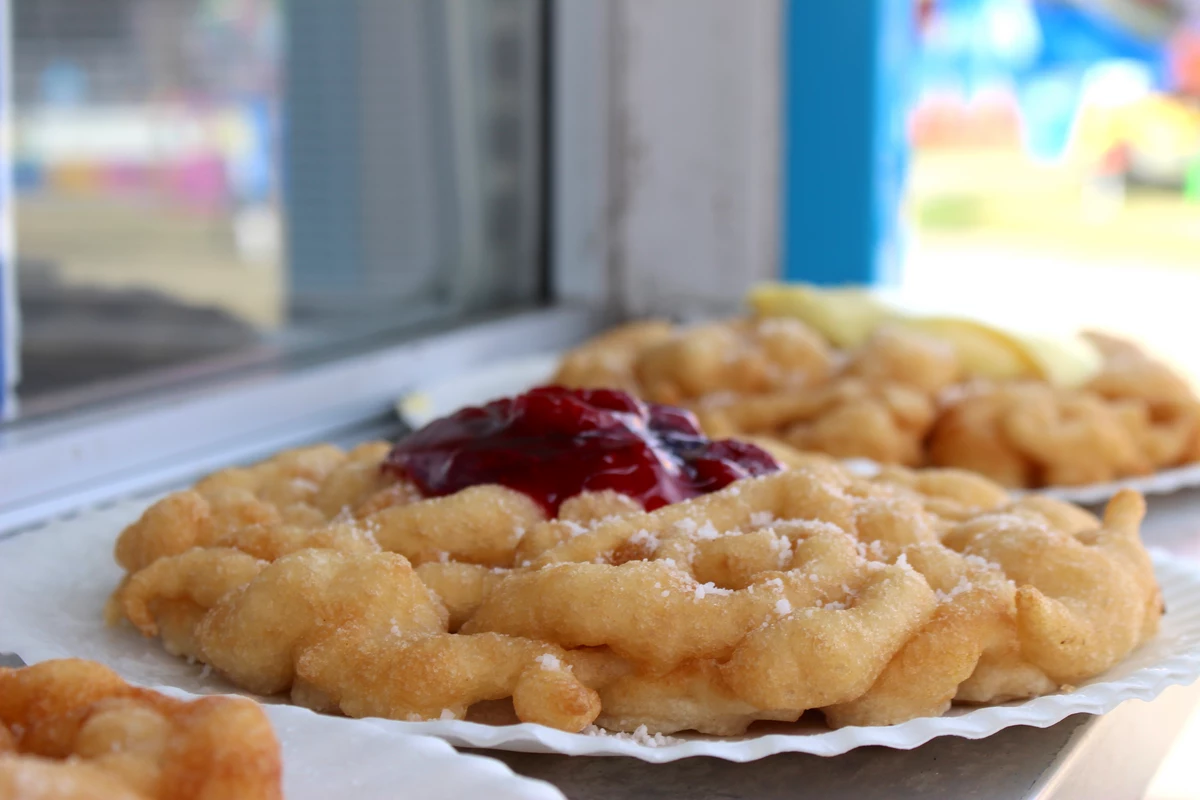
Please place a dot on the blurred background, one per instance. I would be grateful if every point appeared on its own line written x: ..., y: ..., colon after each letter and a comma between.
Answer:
x: 206, y: 185
x: 199, y: 192
x: 1070, y: 128
x: 1056, y: 160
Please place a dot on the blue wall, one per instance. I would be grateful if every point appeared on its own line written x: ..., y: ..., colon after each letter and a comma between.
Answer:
x: 847, y: 67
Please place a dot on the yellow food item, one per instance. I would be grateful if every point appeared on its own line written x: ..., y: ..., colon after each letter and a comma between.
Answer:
x: 1068, y: 362
x: 984, y: 351
x: 848, y: 316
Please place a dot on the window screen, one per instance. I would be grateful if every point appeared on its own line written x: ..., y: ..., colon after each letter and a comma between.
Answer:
x: 206, y: 183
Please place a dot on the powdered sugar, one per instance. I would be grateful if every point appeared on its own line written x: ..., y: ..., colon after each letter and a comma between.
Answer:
x: 783, y: 607
x: 963, y: 585
x: 646, y: 539
x: 368, y: 528
x: 761, y: 519
x: 573, y: 528
x: 809, y: 527
x: 641, y: 735
x: 783, y: 548
x: 686, y: 526
x: 549, y: 661
x: 705, y: 589
x: 981, y: 563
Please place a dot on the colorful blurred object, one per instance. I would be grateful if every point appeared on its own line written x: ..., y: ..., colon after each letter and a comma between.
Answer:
x: 1183, y: 59
x: 946, y: 119
x: 988, y: 66
x: 1191, y: 182
x: 203, y: 139
x: 1159, y: 135
x: 200, y: 157
x: 1094, y: 151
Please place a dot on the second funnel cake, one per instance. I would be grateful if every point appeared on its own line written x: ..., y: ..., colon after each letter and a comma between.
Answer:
x: 839, y: 374
x: 342, y: 579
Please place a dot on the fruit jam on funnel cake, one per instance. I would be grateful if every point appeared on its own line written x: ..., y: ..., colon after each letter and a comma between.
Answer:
x: 552, y: 443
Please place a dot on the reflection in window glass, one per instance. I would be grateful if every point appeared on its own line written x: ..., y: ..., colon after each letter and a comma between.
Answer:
x: 218, y: 181
x: 146, y: 166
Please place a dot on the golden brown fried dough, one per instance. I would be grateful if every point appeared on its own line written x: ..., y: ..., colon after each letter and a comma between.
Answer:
x: 607, y: 361
x: 873, y: 599
x: 903, y: 397
x: 74, y: 729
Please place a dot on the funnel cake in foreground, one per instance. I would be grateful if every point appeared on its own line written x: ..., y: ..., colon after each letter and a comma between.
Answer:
x: 73, y: 729
x: 676, y: 583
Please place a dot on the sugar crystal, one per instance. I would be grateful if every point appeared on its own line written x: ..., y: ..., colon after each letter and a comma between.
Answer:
x: 549, y: 661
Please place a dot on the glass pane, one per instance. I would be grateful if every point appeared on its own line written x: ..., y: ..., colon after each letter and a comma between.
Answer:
x: 209, y: 183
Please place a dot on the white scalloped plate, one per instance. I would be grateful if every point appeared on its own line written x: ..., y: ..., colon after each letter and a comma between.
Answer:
x: 1165, y: 482
x: 326, y: 757
x: 54, y: 582
x: 427, y: 403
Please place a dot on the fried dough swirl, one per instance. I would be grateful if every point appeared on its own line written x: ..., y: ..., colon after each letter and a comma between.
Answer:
x: 73, y: 729
x: 875, y: 600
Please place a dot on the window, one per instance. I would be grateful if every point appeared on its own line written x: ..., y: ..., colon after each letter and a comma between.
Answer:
x: 205, y: 184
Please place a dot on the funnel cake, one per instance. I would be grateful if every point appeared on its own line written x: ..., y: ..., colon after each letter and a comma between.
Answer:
x: 906, y: 395
x: 375, y: 583
x: 73, y: 729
